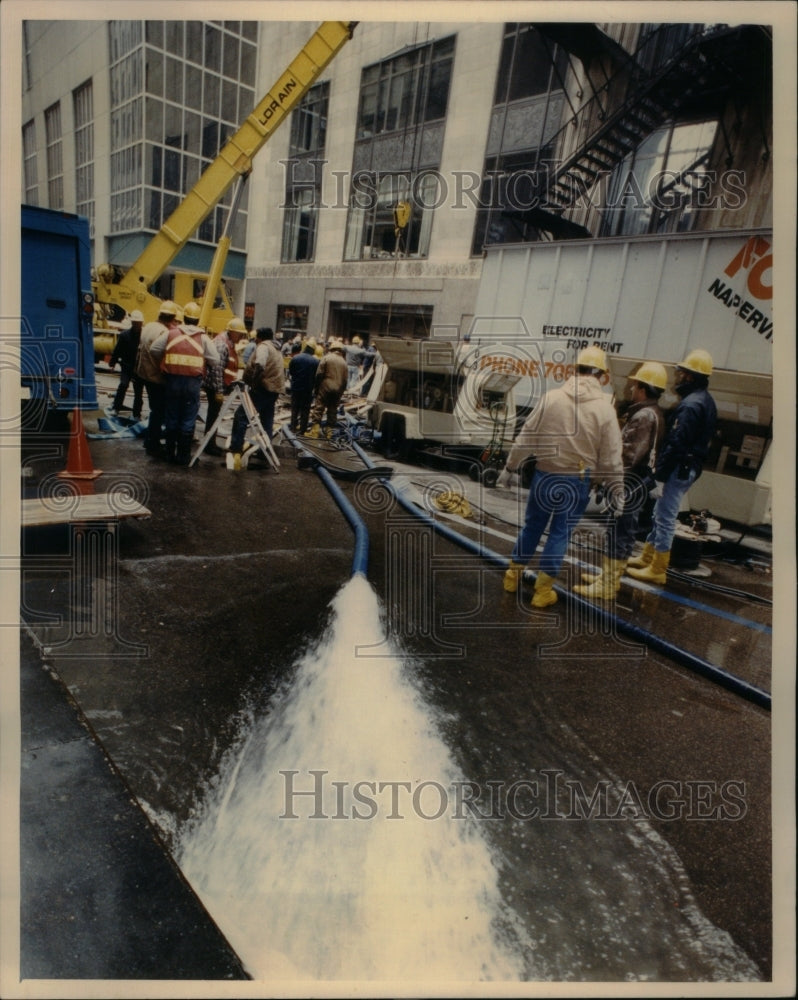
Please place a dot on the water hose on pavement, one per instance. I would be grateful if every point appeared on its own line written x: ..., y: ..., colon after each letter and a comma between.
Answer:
x: 683, y: 657
x: 360, y: 556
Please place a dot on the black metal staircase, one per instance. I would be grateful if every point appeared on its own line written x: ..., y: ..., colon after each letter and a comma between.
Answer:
x: 679, y: 71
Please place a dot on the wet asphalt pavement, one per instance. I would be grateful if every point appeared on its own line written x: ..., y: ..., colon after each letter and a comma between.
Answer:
x: 182, y: 626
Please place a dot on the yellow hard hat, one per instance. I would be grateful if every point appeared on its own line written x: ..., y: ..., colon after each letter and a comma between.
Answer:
x: 191, y: 310
x: 168, y: 308
x: 336, y: 345
x: 593, y: 357
x: 697, y: 361
x: 652, y: 373
x: 236, y: 325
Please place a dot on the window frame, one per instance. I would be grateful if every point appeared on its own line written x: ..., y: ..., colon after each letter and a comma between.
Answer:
x: 303, y: 196
x: 30, y: 170
x: 54, y: 146
x: 648, y: 218
x: 396, y: 109
x: 83, y: 127
x: 371, y: 231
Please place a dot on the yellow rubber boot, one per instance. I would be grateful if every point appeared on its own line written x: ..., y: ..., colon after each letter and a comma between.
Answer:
x: 313, y: 431
x: 513, y: 577
x: 644, y: 559
x: 544, y: 591
x: 607, y: 585
x: 656, y: 571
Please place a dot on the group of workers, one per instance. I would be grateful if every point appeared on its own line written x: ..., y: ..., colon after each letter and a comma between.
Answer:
x: 173, y: 355
x: 574, y: 435
x: 576, y: 439
x: 174, y: 360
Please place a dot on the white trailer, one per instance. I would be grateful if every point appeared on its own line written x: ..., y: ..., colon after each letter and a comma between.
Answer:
x: 441, y: 392
x: 649, y: 298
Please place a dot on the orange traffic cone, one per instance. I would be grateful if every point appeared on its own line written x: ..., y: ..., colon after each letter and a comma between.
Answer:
x: 79, y: 465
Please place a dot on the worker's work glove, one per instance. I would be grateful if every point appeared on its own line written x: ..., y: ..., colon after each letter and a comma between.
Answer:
x: 219, y: 397
x: 508, y: 479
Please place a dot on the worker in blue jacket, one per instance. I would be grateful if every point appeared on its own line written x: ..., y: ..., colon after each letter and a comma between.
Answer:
x: 690, y: 430
x: 302, y: 373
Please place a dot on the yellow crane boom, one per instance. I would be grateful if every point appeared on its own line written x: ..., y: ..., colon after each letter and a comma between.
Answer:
x: 234, y: 160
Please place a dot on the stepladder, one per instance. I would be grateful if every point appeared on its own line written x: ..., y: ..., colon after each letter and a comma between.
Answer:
x: 256, y: 439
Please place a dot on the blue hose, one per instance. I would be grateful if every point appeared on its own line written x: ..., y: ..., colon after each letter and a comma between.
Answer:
x: 695, y: 663
x: 360, y: 557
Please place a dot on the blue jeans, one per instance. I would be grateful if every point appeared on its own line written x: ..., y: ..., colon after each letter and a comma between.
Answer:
x: 182, y: 403
x: 622, y: 530
x: 557, y: 498
x: 666, y: 509
x: 125, y: 377
x: 264, y: 402
x: 156, y: 396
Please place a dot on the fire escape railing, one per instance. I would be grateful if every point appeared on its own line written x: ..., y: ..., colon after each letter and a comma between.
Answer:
x: 674, y: 67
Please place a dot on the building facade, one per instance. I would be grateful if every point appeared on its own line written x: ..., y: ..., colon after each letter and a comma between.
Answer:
x: 422, y: 144
x: 122, y: 126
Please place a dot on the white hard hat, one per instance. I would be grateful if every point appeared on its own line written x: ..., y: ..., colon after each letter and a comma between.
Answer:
x: 137, y: 316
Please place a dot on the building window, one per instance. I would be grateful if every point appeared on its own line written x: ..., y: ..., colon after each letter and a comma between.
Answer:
x: 29, y: 170
x: 407, y: 90
x: 508, y: 181
x: 309, y: 122
x: 299, y: 225
x: 291, y: 321
x: 26, y: 58
x: 83, y: 107
x: 395, y: 185
x: 179, y: 91
x: 126, y: 79
x: 55, y: 159
x: 656, y: 189
x: 527, y: 108
x: 303, y: 176
x: 528, y: 66
x: 391, y: 216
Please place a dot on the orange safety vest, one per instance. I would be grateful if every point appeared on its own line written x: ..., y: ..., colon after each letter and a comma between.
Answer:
x: 184, y: 353
x: 230, y: 373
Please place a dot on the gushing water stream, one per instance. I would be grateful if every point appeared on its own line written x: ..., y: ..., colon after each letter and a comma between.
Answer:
x: 352, y: 894
x: 327, y: 851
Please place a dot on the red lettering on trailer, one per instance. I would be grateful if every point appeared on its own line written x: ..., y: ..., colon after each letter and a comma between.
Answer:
x: 754, y: 257
x: 510, y: 366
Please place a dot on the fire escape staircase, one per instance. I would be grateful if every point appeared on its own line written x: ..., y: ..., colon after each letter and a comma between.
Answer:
x: 694, y: 79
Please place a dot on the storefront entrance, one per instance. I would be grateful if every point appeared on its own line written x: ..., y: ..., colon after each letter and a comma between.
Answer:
x: 368, y: 320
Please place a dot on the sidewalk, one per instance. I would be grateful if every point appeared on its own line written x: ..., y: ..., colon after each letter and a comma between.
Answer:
x: 91, y: 863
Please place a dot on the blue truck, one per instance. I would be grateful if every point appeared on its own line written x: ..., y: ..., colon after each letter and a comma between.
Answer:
x: 57, y: 306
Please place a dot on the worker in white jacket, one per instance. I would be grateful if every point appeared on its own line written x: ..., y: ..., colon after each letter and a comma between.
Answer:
x: 573, y: 434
